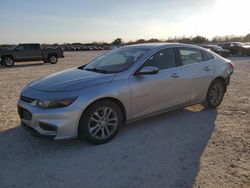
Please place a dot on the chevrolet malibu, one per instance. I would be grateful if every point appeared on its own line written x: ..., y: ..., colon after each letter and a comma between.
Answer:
x: 93, y: 101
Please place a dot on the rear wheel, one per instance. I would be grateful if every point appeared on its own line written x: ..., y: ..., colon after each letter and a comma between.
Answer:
x: 100, y: 122
x: 52, y: 59
x: 8, y: 61
x: 215, y: 94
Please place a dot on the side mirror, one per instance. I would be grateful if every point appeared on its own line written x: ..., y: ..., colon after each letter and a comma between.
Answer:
x: 148, y: 70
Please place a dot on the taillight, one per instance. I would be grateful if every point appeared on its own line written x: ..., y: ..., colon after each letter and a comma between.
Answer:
x: 231, y: 65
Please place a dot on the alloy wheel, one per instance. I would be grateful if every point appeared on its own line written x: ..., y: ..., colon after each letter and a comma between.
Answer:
x: 216, y: 94
x: 53, y: 59
x: 8, y: 61
x: 103, y: 123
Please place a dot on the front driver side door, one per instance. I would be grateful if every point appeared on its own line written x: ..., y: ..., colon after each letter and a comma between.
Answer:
x: 19, y: 52
x: 152, y: 93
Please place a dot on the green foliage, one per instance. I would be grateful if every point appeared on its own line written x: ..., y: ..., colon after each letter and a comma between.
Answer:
x: 117, y: 42
x: 153, y: 40
x: 199, y: 40
x: 246, y: 38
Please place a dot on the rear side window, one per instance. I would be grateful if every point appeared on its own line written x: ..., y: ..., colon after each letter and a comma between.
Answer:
x: 207, y: 56
x: 27, y: 46
x: 190, y: 55
x: 31, y: 46
x: 36, y: 46
x: 163, y: 59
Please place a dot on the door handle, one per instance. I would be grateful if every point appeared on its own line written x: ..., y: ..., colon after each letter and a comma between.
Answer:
x: 175, y: 75
x: 207, y: 68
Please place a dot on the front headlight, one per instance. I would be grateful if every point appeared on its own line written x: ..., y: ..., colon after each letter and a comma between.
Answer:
x: 56, y: 103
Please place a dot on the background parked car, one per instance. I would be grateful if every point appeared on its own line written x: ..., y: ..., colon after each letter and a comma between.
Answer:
x: 237, y: 48
x: 84, y: 47
x: 30, y: 52
x: 217, y: 49
x: 69, y: 48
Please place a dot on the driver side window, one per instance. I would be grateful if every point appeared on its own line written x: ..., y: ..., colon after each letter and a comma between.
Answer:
x: 163, y: 59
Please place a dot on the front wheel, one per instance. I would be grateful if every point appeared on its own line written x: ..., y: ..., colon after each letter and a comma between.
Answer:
x: 100, y: 122
x: 215, y: 94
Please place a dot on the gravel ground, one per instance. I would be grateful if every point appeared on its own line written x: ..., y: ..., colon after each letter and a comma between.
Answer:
x: 191, y: 147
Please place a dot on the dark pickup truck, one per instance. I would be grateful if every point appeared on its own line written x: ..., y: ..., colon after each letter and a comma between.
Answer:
x: 29, y: 52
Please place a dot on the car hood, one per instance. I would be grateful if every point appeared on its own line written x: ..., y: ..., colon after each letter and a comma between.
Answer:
x: 69, y: 80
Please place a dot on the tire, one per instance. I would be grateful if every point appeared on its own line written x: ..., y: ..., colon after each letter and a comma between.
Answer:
x: 8, y: 61
x: 215, y: 94
x: 96, y: 127
x: 52, y: 59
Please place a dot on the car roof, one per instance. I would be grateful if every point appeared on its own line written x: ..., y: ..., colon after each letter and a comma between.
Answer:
x: 157, y: 45
x: 30, y: 43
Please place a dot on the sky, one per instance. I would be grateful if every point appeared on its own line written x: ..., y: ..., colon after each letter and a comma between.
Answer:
x: 62, y: 21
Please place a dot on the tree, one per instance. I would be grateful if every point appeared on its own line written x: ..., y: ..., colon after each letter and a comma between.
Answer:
x: 153, y: 40
x: 140, y: 41
x: 247, y: 38
x: 217, y: 39
x: 185, y: 40
x: 199, y: 39
x: 117, y: 42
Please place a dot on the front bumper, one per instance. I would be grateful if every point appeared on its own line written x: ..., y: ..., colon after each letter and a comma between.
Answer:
x: 59, y: 123
x: 34, y: 132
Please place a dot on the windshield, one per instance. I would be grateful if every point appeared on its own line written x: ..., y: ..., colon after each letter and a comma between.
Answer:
x: 116, y: 60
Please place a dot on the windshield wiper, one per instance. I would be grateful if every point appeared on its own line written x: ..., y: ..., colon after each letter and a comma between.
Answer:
x: 96, y: 70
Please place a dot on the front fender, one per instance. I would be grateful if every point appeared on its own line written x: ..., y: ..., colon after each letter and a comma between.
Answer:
x: 118, y: 89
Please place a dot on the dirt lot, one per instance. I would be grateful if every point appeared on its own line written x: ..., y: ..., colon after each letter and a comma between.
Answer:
x: 191, y: 147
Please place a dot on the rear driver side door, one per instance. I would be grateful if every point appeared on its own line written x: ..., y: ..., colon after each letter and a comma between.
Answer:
x: 196, y: 74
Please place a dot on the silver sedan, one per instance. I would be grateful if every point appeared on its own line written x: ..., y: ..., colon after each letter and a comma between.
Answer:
x: 123, y: 85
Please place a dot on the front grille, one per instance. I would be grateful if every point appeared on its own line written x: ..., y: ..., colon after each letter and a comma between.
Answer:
x: 26, y: 99
x: 24, y: 114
